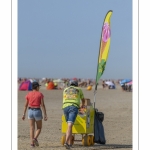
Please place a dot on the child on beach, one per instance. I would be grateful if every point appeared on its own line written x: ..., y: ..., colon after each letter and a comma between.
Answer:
x: 35, y: 100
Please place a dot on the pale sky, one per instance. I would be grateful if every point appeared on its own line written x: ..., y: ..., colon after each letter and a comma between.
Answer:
x: 61, y: 38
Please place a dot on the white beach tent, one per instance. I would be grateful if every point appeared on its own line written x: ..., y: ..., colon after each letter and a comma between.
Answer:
x: 60, y: 83
x: 109, y: 83
x: 31, y: 80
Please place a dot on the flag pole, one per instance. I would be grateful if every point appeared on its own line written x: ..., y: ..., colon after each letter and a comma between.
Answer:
x: 103, y: 50
x: 94, y: 98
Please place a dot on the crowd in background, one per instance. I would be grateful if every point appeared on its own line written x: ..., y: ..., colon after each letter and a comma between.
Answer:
x: 83, y: 83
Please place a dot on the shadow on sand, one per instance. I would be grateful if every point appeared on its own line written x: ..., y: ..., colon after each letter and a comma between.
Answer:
x: 111, y: 146
x: 97, y: 146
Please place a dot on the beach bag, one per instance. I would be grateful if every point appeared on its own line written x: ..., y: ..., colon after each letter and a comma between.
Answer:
x: 99, y: 135
x: 100, y: 116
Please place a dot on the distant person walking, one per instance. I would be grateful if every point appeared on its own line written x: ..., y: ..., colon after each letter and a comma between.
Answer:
x: 34, y: 102
x: 103, y: 84
x: 71, y: 103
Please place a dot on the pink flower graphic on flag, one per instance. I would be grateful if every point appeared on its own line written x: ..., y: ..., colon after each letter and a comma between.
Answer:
x: 106, y: 32
x: 105, y: 37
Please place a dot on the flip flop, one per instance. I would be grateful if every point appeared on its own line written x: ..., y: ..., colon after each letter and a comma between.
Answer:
x: 67, y: 146
x: 32, y: 145
x: 36, y: 142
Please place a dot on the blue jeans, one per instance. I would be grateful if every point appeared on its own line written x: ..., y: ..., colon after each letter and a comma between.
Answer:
x: 70, y: 113
x: 35, y: 114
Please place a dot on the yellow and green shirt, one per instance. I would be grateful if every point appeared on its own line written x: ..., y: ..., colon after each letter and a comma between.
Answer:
x: 72, y: 96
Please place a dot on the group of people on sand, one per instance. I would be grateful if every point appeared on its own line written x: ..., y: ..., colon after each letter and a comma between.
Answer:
x: 49, y: 84
x: 81, y: 82
x: 105, y: 84
x: 126, y: 87
x: 35, y: 106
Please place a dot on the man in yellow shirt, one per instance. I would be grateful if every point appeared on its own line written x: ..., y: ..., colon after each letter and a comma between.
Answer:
x: 71, y: 103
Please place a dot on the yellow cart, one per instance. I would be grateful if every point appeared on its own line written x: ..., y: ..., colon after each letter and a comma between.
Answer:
x: 84, y: 125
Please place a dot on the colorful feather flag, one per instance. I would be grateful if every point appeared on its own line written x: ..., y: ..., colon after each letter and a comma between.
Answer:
x: 104, y: 47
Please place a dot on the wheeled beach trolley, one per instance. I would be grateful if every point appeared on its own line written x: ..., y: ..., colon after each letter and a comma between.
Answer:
x: 84, y: 125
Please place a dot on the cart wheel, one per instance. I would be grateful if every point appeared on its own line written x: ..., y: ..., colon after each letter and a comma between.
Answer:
x: 72, y: 141
x: 86, y: 140
x: 92, y: 139
x: 63, y: 138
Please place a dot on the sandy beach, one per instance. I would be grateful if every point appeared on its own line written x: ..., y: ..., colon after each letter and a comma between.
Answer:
x: 115, y: 104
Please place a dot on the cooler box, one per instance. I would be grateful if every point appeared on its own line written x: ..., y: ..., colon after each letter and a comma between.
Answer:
x: 84, y: 123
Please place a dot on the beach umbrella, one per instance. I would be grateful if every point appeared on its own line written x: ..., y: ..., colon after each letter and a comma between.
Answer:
x: 109, y: 83
x: 125, y: 81
x: 75, y: 79
x: 129, y: 83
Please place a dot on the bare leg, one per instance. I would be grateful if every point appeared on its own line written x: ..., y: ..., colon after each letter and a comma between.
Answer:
x: 32, y: 128
x: 69, y: 133
x: 39, y: 127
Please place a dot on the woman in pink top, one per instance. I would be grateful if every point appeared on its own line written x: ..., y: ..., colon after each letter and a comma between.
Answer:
x: 35, y: 100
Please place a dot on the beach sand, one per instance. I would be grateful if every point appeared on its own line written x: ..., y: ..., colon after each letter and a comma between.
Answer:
x: 115, y: 104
